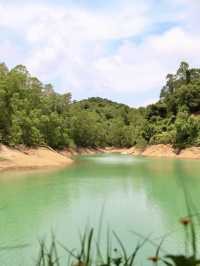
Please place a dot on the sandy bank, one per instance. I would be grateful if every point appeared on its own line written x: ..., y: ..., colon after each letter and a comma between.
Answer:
x: 42, y: 157
x: 162, y: 150
x: 11, y: 158
x: 80, y: 151
x: 90, y: 151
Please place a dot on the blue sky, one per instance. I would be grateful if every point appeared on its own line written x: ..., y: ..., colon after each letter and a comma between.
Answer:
x: 119, y: 49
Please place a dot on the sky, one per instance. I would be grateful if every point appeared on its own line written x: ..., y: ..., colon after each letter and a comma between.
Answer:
x: 116, y: 49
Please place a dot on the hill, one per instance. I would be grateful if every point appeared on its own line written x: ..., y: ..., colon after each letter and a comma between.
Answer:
x: 32, y: 114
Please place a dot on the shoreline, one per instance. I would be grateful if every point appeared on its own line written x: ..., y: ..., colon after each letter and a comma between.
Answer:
x: 47, y: 158
x: 91, y: 151
x: 165, y: 151
x: 156, y: 151
x: 31, y: 158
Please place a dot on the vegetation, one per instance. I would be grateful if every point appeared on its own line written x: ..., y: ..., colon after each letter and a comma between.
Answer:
x: 98, y: 250
x: 114, y: 253
x: 32, y: 114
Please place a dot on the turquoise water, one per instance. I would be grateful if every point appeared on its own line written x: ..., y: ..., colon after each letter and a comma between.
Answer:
x: 137, y: 194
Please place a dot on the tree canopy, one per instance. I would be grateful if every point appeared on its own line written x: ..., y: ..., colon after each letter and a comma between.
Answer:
x: 32, y: 114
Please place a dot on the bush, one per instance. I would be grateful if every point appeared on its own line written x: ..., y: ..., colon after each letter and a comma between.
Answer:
x: 163, y: 138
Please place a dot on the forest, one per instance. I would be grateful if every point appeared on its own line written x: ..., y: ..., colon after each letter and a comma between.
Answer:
x: 33, y: 114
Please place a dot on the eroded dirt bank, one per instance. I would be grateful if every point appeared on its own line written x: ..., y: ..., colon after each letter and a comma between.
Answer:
x: 26, y: 158
x: 87, y: 151
x: 162, y: 150
x: 43, y: 157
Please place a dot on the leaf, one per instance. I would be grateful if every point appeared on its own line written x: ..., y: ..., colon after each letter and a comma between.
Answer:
x: 166, y: 263
x: 181, y: 260
x: 89, y: 246
x: 122, y: 246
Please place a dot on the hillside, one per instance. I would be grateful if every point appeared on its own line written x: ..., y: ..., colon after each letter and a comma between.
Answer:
x: 33, y: 114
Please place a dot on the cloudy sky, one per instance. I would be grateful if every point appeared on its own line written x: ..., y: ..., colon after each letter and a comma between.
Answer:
x: 118, y: 49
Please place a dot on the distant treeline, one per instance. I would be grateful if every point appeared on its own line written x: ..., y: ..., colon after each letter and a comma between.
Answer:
x: 32, y: 114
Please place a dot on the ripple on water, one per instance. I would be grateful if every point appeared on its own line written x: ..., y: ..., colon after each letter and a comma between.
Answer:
x: 114, y: 159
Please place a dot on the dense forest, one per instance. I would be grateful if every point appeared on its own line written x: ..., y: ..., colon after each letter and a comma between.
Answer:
x: 32, y: 114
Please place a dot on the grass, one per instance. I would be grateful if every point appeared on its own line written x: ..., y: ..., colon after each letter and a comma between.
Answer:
x: 90, y: 252
x: 112, y: 251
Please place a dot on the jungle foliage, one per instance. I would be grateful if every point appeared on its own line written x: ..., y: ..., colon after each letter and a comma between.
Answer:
x: 33, y: 114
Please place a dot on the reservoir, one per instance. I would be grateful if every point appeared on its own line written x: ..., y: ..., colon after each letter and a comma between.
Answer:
x: 135, y: 197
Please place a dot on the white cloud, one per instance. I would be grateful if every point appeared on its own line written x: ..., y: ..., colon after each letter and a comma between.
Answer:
x: 141, y: 68
x: 94, y: 52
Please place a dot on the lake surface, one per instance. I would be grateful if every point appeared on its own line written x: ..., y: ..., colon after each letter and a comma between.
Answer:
x: 136, y: 194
